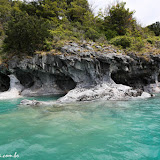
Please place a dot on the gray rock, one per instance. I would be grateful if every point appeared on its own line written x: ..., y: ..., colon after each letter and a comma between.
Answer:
x: 104, y: 91
x: 99, y: 47
x: 26, y: 102
x: 74, y: 44
x: 72, y: 49
x: 58, y: 74
x: 88, y: 47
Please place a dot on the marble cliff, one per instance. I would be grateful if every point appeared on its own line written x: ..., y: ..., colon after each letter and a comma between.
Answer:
x: 84, y: 73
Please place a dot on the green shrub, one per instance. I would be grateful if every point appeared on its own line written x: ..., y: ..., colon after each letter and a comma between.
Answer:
x: 155, y: 27
x: 137, y: 44
x: 78, y: 33
x: 123, y: 41
x: 47, y: 45
x: 150, y: 40
x: 61, y: 33
x: 92, y: 34
x: 110, y: 34
x: 154, y: 40
x: 119, y: 18
x: 25, y: 33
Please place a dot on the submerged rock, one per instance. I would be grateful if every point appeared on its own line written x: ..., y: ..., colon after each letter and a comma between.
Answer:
x: 35, y: 103
x: 30, y: 102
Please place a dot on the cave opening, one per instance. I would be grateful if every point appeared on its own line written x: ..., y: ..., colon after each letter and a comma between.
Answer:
x: 36, y: 80
x: 130, y: 79
x: 65, y: 83
x: 4, y: 82
x: 158, y: 77
x: 25, y: 78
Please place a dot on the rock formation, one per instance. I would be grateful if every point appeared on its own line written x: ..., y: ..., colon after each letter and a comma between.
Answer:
x: 88, y: 72
x: 14, y: 89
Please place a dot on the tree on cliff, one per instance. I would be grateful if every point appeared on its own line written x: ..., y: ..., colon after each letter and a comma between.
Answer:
x: 77, y: 10
x: 5, y: 9
x: 117, y: 20
x: 155, y: 27
x: 24, y: 33
x: 31, y: 23
x: 28, y: 26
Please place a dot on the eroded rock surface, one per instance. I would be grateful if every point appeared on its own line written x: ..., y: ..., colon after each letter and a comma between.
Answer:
x: 82, y: 69
x: 103, y: 92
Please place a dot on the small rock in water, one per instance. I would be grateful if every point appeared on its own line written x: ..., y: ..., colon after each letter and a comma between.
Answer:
x: 30, y: 102
x: 145, y: 95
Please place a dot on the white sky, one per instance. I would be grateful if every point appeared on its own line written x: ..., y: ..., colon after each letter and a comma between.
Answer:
x: 147, y: 11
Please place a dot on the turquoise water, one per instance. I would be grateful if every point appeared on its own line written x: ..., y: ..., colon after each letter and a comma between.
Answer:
x: 118, y: 130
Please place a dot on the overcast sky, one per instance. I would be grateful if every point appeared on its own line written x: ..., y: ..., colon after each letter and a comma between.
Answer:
x: 147, y: 11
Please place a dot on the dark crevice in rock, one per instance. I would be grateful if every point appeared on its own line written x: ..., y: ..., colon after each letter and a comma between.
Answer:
x: 65, y: 82
x: 25, y: 78
x: 37, y: 83
x: 104, y: 67
x: 132, y: 80
x: 158, y: 77
x: 4, y: 82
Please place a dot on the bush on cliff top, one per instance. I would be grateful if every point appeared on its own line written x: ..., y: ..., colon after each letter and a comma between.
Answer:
x: 31, y: 24
x: 37, y: 25
x: 122, y: 41
x: 118, y: 19
x: 25, y: 33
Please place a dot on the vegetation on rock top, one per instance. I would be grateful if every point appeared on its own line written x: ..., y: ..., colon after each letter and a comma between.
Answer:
x: 45, y: 25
